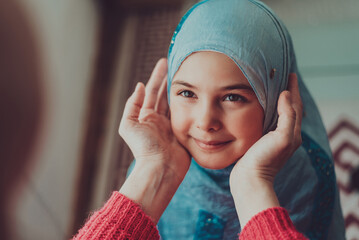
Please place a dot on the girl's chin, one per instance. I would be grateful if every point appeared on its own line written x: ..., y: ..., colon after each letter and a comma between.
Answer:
x: 213, y: 164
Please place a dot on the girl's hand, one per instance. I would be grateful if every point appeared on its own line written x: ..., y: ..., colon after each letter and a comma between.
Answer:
x: 252, y: 178
x: 146, y: 128
x: 161, y: 162
x: 268, y: 155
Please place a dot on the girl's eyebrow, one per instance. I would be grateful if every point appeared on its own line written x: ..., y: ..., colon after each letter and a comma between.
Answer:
x: 238, y: 86
x: 230, y: 87
x: 180, y: 82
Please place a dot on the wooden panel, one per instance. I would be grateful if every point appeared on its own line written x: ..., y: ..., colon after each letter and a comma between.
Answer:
x: 145, y: 4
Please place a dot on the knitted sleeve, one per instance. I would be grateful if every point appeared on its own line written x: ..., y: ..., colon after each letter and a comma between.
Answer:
x: 271, y: 224
x: 119, y: 218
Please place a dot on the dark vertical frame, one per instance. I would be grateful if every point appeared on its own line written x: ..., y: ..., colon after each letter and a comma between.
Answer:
x: 112, y: 15
x: 111, y: 19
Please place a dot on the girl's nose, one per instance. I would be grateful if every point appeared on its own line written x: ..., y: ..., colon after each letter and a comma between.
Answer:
x: 208, y: 118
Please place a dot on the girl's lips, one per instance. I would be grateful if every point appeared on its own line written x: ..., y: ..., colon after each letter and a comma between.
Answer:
x: 210, y: 145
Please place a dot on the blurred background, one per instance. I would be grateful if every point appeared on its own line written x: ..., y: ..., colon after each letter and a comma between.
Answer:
x: 92, y: 54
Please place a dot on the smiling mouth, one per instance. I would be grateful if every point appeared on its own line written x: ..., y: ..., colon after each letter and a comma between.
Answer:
x: 211, y: 145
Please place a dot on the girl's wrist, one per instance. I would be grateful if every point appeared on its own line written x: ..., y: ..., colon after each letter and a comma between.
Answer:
x: 252, y: 194
x: 244, y: 179
x: 152, y: 186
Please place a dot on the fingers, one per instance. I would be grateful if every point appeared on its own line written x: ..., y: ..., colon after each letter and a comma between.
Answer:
x: 147, y: 99
x: 287, y: 115
x: 162, y: 103
x: 296, y: 102
x: 154, y: 84
x: 133, y: 105
x: 290, y: 112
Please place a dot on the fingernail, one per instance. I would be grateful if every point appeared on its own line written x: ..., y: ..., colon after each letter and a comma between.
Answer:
x: 287, y: 95
x: 137, y: 86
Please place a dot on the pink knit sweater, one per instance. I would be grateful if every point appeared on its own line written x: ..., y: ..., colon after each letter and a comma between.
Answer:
x: 121, y: 218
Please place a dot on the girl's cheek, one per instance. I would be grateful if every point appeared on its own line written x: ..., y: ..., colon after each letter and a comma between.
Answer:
x: 182, y: 113
x: 180, y: 121
x: 180, y: 131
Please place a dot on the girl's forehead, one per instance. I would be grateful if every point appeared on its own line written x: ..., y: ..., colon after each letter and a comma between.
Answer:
x: 208, y: 67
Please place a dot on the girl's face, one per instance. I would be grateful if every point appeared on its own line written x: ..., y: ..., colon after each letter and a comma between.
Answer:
x: 215, y: 113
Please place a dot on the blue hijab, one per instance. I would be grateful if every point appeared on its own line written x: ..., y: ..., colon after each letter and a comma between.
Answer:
x: 250, y: 34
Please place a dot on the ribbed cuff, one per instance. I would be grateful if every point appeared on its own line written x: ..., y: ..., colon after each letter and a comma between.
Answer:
x: 270, y: 224
x: 119, y: 218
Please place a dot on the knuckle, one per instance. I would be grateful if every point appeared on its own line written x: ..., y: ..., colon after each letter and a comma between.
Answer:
x: 291, y: 113
x: 128, y: 102
x: 299, y: 141
x: 153, y: 91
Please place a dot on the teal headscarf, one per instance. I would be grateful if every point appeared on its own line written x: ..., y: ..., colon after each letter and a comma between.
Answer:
x: 250, y: 34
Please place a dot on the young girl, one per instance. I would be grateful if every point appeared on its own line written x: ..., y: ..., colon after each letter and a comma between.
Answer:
x: 228, y: 63
x: 253, y: 37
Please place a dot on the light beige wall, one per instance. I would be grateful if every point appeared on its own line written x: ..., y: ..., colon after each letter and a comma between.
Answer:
x: 67, y: 33
x: 325, y: 36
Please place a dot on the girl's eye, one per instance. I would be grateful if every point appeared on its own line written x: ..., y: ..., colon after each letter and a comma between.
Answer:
x: 186, y: 94
x: 234, y: 98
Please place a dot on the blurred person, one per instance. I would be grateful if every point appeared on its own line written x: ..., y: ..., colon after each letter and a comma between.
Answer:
x: 20, y: 106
